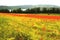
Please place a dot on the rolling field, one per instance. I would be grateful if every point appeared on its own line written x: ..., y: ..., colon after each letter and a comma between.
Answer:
x: 29, y: 27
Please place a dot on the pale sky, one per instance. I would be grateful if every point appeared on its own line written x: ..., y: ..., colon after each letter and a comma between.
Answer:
x: 29, y: 2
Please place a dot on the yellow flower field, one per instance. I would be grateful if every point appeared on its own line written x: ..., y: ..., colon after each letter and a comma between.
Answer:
x: 28, y: 28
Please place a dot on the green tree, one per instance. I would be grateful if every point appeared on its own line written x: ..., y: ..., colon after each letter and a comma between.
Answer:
x: 4, y: 10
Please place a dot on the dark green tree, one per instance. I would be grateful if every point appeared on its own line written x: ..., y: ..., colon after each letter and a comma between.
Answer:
x: 4, y: 10
x: 17, y: 10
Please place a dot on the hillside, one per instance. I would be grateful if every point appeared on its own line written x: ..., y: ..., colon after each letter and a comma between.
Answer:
x: 28, y: 6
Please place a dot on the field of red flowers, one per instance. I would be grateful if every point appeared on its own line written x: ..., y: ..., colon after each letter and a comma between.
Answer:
x: 35, y: 16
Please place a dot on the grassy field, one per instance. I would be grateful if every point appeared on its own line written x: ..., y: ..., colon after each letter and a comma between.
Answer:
x: 29, y: 27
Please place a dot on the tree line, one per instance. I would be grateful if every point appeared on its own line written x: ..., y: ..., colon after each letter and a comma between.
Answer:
x: 32, y: 10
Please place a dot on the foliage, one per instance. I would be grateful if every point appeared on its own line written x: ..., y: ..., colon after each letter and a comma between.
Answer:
x: 17, y: 10
x: 33, y: 10
x: 4, y: 10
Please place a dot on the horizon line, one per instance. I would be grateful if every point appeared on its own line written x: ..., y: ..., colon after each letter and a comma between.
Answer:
x: 30, y: 4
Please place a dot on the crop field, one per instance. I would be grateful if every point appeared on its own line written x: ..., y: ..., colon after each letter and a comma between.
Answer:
x: 29, y: 27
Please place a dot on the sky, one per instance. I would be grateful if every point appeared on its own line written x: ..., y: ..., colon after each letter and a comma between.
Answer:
x: 29, y: 2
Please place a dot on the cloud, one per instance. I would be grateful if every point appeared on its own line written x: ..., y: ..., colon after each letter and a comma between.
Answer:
x: 29, y: 2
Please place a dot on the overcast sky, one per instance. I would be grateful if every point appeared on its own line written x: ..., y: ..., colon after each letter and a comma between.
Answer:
x: 29, y: 2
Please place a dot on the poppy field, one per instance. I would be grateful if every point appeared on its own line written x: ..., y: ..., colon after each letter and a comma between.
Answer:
x: 29, y: 27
